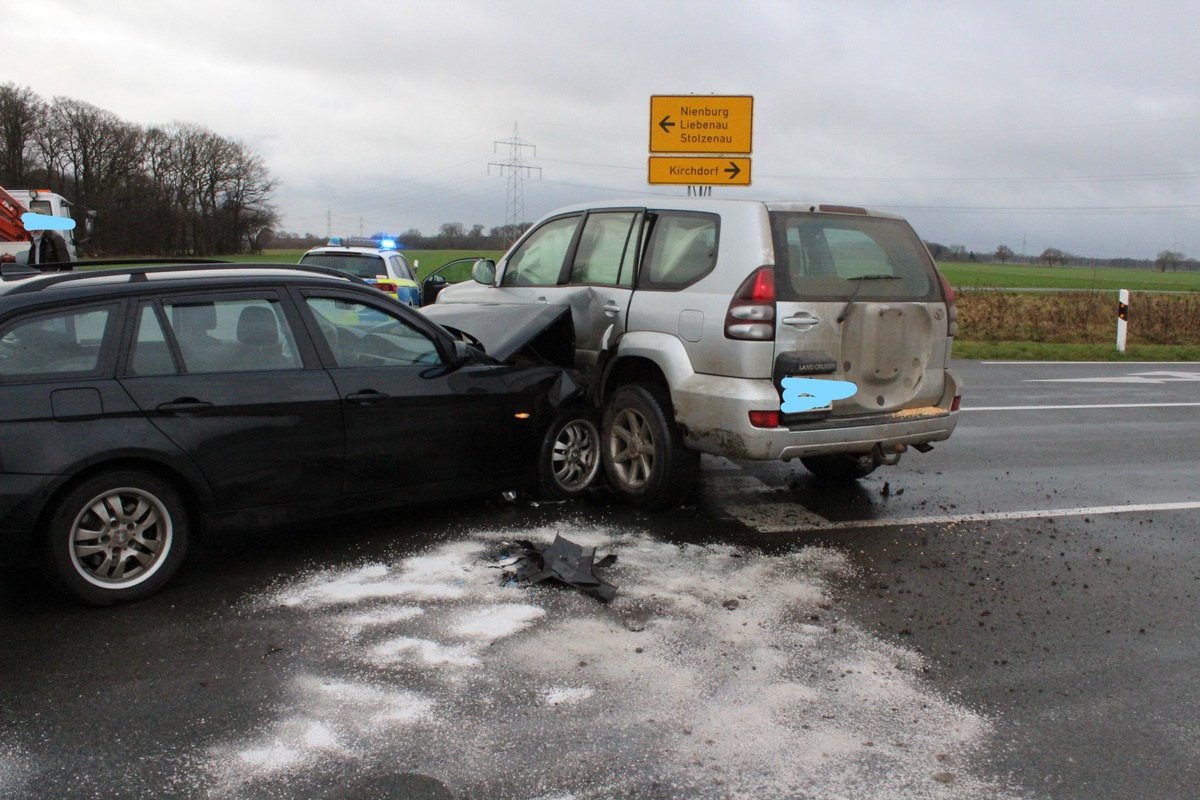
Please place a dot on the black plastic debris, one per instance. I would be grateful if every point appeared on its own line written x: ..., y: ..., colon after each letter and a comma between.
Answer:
x: 561, y: 560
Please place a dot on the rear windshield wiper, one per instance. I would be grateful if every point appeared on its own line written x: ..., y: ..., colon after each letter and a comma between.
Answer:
x: 860, y: 280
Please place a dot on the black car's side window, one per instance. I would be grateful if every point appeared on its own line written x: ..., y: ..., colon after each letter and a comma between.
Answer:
x: 362, y: 335
x: 233, y: 335
x: 61, y: 343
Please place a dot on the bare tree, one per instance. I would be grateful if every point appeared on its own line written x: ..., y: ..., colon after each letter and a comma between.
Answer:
x: 21, y: 114
x: 1052, y: 255
x: 1004, y: 253
x: 1169, y: 258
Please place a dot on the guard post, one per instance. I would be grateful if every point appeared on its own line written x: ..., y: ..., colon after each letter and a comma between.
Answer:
x: 1122, y: 318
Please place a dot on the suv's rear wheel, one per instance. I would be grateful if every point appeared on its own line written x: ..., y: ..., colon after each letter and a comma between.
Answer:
x: 644, y: 454
x: 116, y: 537
x: 840, y: 467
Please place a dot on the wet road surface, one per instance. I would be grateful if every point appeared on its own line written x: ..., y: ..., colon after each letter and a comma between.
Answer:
x: 980, y: 621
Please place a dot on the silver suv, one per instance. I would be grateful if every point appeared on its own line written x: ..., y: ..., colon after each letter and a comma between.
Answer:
x: 742, y: 329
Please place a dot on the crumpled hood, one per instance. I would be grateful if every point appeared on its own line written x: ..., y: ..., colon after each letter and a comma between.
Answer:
x: 534, y: 330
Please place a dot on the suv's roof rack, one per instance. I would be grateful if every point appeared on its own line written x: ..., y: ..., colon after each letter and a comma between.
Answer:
x: 138, y: 270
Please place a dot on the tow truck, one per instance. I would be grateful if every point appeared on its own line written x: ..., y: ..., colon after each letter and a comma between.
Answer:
x: 16, y: 237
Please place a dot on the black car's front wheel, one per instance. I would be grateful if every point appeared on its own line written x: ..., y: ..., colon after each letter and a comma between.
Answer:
x: 116, y: 537
x: 570, y: 456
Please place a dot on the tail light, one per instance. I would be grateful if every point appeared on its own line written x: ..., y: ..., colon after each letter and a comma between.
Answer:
x: 764, y: 419
x: 951, y: 308
x: 386, y: 286
x: 751, y: 313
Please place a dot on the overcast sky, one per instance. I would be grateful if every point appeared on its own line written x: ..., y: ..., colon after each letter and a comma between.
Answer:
x: 1071, y: 124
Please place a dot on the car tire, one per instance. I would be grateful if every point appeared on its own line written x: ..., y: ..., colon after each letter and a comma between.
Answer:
x: 116, y: 537
x: 840, y: 467
x: 644, y: 455
x: 570, y: 455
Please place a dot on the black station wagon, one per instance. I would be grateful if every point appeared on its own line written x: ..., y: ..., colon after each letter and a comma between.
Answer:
x: 142, y: 405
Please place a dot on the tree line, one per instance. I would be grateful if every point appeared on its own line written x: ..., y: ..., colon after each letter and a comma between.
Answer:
x: 178, y: 189
x: 1003, y: 254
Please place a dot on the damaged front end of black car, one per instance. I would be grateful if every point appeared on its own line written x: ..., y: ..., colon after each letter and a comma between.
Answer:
x: 529, y: 336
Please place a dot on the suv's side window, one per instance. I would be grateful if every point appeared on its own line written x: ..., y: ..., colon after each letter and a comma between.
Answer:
x: 64, y: 342
x: 539, y: 261
x: 682, y: 249
x: 605, y: 255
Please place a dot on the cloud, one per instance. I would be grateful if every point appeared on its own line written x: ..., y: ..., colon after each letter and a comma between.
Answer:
x: 1068, y: 124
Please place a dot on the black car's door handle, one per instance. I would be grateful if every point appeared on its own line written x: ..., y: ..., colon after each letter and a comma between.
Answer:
x: 366, y: 397
x: 184, y: 407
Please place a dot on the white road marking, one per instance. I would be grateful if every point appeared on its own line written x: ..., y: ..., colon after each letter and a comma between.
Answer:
x: 774, y: 517
x: 989, y: 516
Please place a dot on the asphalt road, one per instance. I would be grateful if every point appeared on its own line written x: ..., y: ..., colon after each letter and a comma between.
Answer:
x: 1011, y: 615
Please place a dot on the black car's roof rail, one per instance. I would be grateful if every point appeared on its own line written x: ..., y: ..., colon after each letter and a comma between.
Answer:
x: 138, y: 270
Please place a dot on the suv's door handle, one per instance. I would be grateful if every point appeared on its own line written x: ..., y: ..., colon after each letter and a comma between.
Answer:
x: 801, y: 320
x: 366, y: 397
x: 184, y: 407
x: 611, y: 308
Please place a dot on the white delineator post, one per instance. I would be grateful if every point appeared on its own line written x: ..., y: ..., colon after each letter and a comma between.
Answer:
x: 1122, y: 318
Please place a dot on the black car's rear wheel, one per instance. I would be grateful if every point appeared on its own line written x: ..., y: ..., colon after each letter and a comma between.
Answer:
x: 116, y: 537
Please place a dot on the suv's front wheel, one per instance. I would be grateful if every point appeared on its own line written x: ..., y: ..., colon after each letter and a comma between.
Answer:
x: 644, y: 454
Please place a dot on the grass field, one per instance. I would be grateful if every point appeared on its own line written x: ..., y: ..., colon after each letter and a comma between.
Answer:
x: 1023, y: 276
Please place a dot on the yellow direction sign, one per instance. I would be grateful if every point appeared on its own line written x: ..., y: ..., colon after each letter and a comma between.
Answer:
x: 701, y: 124
x: 700, y: 170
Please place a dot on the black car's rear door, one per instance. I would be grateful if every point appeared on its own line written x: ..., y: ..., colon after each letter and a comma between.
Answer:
x: 412, y: 420
x: 224, y: 376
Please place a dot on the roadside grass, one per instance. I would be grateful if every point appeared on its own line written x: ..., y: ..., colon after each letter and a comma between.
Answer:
x: 1074, y: 326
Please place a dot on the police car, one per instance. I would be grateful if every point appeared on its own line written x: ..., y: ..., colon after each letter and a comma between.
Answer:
x: 377, y: 261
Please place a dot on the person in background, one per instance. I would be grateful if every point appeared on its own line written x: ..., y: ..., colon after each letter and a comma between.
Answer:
x: 49, y: 247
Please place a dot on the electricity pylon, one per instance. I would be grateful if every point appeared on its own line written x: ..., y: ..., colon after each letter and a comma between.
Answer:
x: 516, y: 169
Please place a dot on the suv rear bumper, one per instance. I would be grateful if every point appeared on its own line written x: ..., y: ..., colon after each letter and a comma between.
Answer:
x: 714, y: 413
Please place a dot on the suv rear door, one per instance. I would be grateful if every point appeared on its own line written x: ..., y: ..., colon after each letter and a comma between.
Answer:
x: 858, y: 299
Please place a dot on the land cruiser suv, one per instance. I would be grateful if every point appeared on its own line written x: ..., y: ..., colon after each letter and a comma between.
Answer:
x: 742, y: 329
